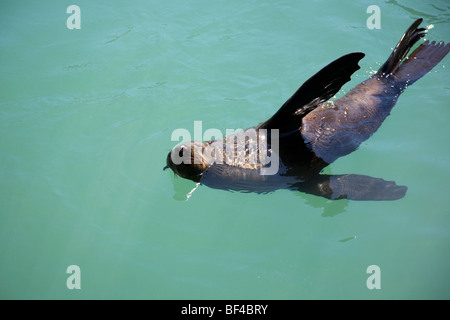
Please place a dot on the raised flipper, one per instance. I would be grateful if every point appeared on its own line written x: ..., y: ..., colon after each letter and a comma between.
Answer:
x: 352, y: 187
x: 419, y: 62
x: 409, y: 38
x: 317, y: 89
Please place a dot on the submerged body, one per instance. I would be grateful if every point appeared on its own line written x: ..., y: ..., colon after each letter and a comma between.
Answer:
x: 308, y: 132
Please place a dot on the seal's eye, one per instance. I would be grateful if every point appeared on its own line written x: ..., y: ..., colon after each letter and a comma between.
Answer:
x: 181, y: 152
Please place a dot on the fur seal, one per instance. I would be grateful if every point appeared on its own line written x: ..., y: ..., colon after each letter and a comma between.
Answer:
x: 312, y: 132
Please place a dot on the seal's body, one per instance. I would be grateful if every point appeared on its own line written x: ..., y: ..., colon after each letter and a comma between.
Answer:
x: 312, y: 132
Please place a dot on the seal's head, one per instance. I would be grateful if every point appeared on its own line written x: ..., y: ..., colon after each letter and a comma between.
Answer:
x: 187, y: 161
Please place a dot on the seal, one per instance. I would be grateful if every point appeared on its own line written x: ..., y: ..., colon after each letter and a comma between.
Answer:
x: 309, y: 132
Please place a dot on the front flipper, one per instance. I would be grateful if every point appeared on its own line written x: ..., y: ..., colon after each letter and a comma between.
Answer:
x: 316, y: 90
x: 352, y: 187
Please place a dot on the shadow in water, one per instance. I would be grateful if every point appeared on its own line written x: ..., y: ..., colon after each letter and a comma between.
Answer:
x: 330, y: 208
x: 185, y: 189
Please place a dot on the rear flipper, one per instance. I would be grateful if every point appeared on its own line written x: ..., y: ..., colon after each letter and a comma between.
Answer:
x: 419, y: 62
x: 352, y: 187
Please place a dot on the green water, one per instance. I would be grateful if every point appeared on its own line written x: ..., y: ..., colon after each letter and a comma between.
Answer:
x: 86, y: 118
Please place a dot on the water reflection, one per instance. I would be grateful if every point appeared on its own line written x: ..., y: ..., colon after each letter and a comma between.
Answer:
x: 334, y: 186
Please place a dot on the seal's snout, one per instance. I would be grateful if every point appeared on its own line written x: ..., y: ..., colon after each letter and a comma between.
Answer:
x: 184, y: 164
x: 165, y: 168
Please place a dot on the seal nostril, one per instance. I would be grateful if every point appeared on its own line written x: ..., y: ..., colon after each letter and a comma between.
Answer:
x: 165, y: 168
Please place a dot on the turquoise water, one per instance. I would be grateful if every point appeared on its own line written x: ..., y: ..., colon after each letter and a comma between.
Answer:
x: 86, y: 118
